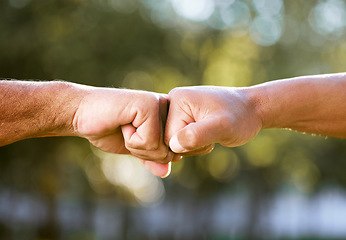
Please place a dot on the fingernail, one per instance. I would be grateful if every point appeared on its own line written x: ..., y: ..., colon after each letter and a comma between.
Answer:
x: 158, y: 169
x: 168, y: 170
x: 175, y: 145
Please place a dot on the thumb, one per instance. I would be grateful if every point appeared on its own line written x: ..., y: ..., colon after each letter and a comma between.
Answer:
x: 158, y: 169
x: 195, y: 136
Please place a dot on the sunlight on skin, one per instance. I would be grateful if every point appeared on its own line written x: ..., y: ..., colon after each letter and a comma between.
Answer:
x: 158, y: 169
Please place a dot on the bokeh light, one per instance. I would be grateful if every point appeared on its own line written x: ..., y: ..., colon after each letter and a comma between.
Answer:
x: 329, y: 17
x: 232, y: 14
x: 128, y: 6
x: 197, y: 10
x: 269, y: 8
x: 261, y: 153
x: 128, y: 172
x: 223, y: 165
x: 281, y: 185
x: 265, y: 32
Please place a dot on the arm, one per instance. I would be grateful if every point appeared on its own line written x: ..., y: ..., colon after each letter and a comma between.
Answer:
x: 34, y: 109
x: 202, y: 116
x: 114, y: 120
x: 311, y: 104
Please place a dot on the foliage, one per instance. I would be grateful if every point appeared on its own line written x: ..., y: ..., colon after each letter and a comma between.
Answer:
x: 156, y: 46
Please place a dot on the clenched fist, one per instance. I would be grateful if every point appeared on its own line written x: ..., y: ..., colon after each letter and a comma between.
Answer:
x: 201, y: 116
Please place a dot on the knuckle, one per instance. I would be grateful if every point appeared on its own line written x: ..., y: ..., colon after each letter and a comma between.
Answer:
x: 149, y: 145
x: 130, y: 145
x: 177, y: 92
x: 142, y: 109
x: 173, y: 91
x: 152, y: 145
x: 147, y: 101
x: 163, y: 97
x: 158, y: 155
x: 153, y: 97
x: 161, y: 157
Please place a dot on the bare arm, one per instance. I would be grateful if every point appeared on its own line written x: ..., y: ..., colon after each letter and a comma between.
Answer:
x: 34, y: 109
x: 114, y: 120
x: 201, y: 116
x: 312, y: 104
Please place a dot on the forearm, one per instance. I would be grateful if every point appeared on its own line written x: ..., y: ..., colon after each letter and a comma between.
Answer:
x: 34, y: 109
x: 312, y: 104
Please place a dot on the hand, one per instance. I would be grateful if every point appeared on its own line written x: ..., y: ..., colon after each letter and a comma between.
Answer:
x: 126, y: 122
x: 201, y: 116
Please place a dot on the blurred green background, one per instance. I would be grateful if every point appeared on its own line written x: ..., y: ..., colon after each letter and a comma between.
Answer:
x: 282, y: 185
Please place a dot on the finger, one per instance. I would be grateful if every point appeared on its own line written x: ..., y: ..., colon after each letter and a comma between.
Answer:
x: 158, y: 169
x: 133, y: 140
x: 164, y: 105
x: 151, y: 130
x: 160, y: 156
x: 202, y: 151
x: 128, y: 130
x: 177, y: 119
x: 196, y: 136
x: 113, y: 143
x: 145, y: 131
x: 177, y: 158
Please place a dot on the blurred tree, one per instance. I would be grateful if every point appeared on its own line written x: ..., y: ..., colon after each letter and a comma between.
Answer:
x: 156, y: 46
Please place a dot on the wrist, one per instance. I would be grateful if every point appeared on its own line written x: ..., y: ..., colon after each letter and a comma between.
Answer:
x: 258, y: 99
x: 63, y: 99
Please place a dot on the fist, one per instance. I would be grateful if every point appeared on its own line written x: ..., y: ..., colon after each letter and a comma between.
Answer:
x: 201, y: 116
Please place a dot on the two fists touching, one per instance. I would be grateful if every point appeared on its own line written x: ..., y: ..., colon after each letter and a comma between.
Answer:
x: 161, y: 128
x: 155, y: 127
